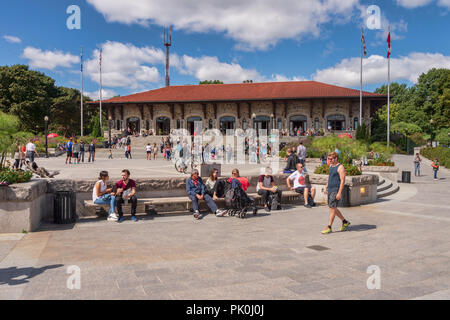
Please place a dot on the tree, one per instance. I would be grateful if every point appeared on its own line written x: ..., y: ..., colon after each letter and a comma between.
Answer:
x: 26, y: 94
x: 211, y: 82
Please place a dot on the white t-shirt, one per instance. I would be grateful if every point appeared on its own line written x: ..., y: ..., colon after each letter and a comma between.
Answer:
x: 299, y: 179
x: 103, y: 187
x: 301, y: 152
x: 31, y: 147
x: 148, y: 148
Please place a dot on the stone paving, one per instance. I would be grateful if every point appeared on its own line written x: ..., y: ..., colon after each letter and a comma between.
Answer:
x: 263, y: 257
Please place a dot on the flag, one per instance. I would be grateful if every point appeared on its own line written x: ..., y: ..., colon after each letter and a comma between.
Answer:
x: 363, y: 41
x: 389, y: 45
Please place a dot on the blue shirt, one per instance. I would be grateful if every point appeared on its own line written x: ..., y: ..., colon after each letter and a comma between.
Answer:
x: 69, y: 145
x: 193, y: 189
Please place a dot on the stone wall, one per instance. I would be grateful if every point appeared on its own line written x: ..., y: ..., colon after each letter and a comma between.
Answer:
x: 390, y: 173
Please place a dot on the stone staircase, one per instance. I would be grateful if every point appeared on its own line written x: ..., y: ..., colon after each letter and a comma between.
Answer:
x: 386, y: 187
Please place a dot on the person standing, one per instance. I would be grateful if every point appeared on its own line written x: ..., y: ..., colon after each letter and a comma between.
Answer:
x: 129, y: 151
x: 82, y: 150
x: 301, y: 153
x: 148, y: 149
x: 104, y: 195
x: 126, y: 190
x: 17, y: 158
x: 69, y: 146
x: 435, y: 166
x: 333, y: 189
x: 155, y: 151
x: 91, y: 149
x: 76, y: 152
x: 417, y: 162
x: 31, y: 151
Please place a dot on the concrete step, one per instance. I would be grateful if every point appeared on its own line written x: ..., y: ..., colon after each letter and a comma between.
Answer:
x: 394, y: 187
x: 387, y: 184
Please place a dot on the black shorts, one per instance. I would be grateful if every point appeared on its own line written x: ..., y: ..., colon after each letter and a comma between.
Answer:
x: 149, y: 152
x: 75, y: 155
x: 332, y: 201
x: 301, y: 190
x: 69, y: 153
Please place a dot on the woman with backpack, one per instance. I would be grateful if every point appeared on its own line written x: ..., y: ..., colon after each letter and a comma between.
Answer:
x: 435, y: 166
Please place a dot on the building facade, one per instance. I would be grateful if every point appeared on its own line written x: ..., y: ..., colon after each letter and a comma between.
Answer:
x: 279, y: 105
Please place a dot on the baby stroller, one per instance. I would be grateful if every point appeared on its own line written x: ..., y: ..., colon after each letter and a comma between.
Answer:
x: 237, y: 202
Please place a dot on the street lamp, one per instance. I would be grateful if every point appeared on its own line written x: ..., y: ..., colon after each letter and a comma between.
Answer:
x: 431, y: 132
x: 109, y: 131
x: 46, y: 134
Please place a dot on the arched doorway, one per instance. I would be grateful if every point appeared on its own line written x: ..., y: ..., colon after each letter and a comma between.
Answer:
x: 134, y: 124
x: 191, y: 124
x: 297, y: 123
x: 262, y: 123
x: 163, y: 126
x: 227, y: 123
x: 336, y: 122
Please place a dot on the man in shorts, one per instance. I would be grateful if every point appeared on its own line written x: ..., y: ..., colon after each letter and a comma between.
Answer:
x: 69, y: 146
x: 334, y: 187
x: 299, y: 178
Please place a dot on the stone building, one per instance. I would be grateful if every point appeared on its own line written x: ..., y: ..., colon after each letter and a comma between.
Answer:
x: 281, y: 105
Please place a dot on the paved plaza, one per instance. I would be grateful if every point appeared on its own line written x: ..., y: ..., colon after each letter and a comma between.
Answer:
x: 281, y: 255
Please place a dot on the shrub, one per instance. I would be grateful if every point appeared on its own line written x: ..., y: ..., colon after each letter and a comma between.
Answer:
x: 381, y: 163
x: 350, y: 169
x: 11, y: 176
x: 443, y: 155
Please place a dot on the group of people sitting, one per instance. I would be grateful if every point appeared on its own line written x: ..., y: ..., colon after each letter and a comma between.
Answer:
x: 210, y: 191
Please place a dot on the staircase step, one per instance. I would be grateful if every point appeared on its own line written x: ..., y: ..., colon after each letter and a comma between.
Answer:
x: 393, y: 189
x: 386, y: 185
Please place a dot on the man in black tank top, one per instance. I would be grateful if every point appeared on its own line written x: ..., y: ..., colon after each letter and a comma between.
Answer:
x: 334, y: 187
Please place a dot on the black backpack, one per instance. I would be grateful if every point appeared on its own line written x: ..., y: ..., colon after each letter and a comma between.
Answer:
x: 273, y: 201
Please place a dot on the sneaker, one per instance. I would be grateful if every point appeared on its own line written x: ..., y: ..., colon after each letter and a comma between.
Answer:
x: 133, y: 218
x: 121, y: 219
x: 307, y: 206
x: 327, y: 230
x: 221, y: 213
x: 113, y: 217
x: 345, y: 226
x: 196, y: 215
x: 200, y: 216
x: 267, y: 208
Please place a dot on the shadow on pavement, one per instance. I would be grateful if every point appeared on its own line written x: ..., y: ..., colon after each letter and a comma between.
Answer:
x: 361, y: 227
x: 9, y: 275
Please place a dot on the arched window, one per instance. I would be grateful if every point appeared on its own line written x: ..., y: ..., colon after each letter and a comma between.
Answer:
x: 147, y: 125
x: 280, y: 124
x: 316, y: 124
x: 355, y: 123
x: 244, y: 124
x: 336, y: 122
x: 210, y: 126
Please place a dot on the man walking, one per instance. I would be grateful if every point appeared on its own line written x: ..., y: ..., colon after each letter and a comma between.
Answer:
x: 334, y: 188
x: 126, y: 190
x: 91, y: 149
x: 82, y: 149
x: 76, y: 152
x: 31, y: 151
x: 435, y: 166
x: 301, y: 153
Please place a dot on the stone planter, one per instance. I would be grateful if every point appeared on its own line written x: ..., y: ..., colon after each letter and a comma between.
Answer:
x: 390, y: 173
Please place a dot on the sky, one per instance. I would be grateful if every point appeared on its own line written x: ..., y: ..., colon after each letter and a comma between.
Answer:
x: 231, y: 41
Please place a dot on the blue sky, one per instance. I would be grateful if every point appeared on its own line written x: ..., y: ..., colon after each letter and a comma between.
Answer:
x: 231, y: 41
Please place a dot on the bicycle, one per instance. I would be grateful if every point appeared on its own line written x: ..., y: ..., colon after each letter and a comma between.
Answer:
x: 186, y: 166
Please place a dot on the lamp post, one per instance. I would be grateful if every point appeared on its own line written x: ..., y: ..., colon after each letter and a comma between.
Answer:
x: 46, y: 134
x: 431, y: 132
x: 109, y: 131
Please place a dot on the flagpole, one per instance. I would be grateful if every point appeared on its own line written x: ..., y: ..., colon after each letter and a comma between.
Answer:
x: 389, y: 85
x: 101, y: 89
x: 361, y: 79
x: 82, y: 91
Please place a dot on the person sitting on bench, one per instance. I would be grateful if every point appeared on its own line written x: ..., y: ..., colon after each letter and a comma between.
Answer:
x: 215, y: 187
x: 126, y: 190
x: 104, y: 195
x: 266, y: 186
x: 291, y: 162
x: 196, y: 191
x: 299, y: 178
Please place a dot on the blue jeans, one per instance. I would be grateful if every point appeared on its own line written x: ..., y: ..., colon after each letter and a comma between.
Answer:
x: 435, y: 174
x: 417, y: 169
x: 107, y: 199
x: 209, y: 201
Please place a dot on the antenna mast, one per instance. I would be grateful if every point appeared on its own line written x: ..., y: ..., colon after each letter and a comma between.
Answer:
x: 167, y: 44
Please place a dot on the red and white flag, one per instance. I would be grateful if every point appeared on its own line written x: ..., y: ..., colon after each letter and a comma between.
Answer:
x: 389, y: 45
x: 363, y: 41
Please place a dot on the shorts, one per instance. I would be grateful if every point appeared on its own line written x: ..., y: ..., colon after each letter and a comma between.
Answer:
x: 75, y: 155
x: 301, y: 190
x: 332, y: 201
x: 69, y: 153
x: 149, y: 152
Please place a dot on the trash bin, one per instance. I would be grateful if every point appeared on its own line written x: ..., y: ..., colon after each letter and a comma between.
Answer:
x: 406, y: 176
x: 64, y: 207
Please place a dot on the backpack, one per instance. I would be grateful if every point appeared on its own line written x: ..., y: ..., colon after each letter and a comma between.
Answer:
x: 273, y: 201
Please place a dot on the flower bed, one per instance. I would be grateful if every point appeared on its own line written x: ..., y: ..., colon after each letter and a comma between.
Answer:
x: 10, y: 176
x: 351, y: 170
x: 386, y: 163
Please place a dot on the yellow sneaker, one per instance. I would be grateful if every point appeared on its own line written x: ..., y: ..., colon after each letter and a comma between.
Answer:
x: 327, y: 230
x: 345, y: 226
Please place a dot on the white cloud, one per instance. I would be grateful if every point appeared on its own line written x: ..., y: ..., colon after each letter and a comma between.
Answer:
x: 397, y: 28
x: 106, y: 94
x: 49, y: 59
x: 210, y: 68
x: 444, y: 3
x: 125, y: 65
x: 256, y: 24
x: 410, y: 4
x: 347, y: 72
x: 283, y: 78
x: 12, y: 39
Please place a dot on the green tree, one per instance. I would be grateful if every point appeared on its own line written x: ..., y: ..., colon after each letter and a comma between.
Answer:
x: 211, y: 82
